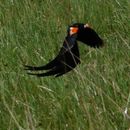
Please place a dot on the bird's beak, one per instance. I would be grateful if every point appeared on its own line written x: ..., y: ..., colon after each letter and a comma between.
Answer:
x: 73, y: 30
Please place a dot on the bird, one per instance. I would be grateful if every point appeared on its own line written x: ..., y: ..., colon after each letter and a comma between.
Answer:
x: 68, y: 57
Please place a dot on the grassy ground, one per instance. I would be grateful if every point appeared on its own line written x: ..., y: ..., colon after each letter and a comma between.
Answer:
x: 93, y: 96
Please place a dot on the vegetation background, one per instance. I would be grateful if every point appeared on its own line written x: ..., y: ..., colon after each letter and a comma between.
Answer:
x: 92, y: 97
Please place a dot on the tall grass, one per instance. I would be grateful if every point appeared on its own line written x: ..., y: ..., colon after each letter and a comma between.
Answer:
x: 94, y: 96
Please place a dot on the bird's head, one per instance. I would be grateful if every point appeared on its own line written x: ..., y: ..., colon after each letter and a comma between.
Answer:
x: 85, y: 34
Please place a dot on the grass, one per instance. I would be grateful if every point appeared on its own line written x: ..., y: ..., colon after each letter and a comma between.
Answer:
x: 93, y: 96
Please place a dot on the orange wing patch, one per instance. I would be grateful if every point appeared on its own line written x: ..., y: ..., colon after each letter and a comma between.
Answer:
x: 73, y: 30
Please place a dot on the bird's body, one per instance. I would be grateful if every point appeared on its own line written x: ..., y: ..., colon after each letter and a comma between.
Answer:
x: 69, y: 57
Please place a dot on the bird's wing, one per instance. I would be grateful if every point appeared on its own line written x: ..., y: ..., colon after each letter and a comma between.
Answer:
x: 90, y: 37
x: 66, y: 60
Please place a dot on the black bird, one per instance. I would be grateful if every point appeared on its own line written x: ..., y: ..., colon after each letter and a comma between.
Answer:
x: 69, y: 57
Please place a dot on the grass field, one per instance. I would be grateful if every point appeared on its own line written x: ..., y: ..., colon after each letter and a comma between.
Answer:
x: 92, y: 97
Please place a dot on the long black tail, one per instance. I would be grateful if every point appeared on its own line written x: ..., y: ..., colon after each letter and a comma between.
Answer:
x: 48, y: 66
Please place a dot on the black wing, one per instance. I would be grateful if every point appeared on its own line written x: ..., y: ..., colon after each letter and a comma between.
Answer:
x: 90, y: 37
x: 66, y: 60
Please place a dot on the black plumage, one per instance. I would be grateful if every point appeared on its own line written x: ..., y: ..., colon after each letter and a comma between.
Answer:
x: 69, y: 57
x: 87, y: 35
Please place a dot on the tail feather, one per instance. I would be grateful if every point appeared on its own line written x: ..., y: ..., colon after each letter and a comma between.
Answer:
x: 49, y: 73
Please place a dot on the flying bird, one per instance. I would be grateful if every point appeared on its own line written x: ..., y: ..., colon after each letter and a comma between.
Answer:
x: 68, y: 57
